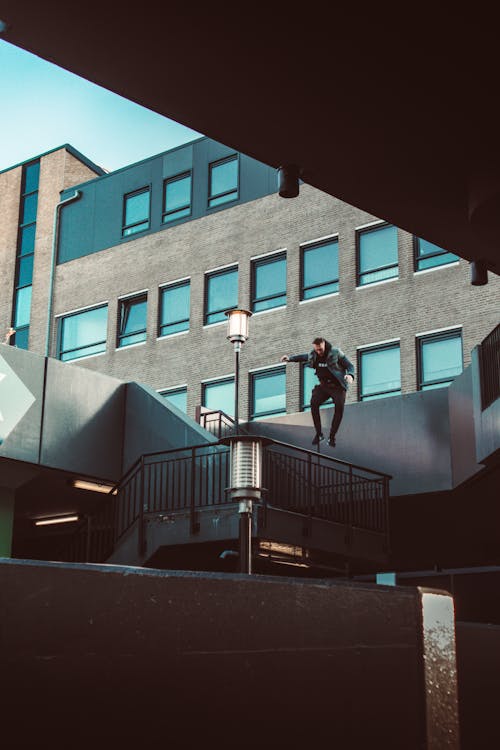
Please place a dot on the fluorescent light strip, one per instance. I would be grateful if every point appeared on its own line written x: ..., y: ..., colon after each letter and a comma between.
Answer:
x: 83, y: 484
x: 55, y: 519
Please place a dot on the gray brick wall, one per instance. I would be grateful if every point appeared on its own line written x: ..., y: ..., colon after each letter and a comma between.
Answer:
x: 400, y: 308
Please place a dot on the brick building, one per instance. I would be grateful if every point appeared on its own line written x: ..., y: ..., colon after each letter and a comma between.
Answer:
x: 129, y: 273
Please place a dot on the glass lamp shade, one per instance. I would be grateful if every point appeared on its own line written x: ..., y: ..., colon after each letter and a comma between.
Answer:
x: 237, y: 324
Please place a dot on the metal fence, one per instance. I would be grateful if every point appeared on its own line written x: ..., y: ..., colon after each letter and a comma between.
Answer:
x: 489, y: 363
x: 189, y: 479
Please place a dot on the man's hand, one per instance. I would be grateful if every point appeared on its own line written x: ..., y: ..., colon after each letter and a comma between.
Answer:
x: 349, y: 378
x: 285, y: 358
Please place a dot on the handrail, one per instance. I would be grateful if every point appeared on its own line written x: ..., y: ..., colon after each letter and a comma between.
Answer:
x: 200, y: 477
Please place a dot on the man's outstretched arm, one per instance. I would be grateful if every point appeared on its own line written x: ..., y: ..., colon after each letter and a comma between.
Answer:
x: 294, y: 358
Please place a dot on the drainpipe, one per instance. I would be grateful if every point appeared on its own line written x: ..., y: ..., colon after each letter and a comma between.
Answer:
x: 55, y: 243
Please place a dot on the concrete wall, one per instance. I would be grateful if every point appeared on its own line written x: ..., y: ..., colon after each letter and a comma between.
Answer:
x: 194, y: 659
x: 407, y: 437
x: 82, y: 421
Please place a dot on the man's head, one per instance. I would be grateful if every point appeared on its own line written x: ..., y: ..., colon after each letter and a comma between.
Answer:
x: 319, y: 345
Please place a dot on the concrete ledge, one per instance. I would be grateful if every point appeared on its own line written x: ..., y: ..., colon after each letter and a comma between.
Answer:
x: 110, y: 650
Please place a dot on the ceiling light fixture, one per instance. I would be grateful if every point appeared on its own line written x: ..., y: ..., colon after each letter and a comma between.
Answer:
x: 85, y: 484
x: 55, y: 519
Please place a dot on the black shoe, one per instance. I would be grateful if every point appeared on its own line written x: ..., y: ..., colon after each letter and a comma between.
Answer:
x: 318, y: 439
x: 332, y: 441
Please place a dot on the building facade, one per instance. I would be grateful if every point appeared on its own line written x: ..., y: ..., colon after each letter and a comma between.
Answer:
x: 132, y: 272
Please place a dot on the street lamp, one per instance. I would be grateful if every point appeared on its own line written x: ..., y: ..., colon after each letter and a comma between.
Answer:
x: 237, y: 333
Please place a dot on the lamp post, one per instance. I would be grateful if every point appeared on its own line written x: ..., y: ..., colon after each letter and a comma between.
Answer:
x: 242, y: 480
x: 237, y: 333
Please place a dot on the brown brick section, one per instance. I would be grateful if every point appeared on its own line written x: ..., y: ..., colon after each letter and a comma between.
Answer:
x: 401, y: 308
x: 58, y: 170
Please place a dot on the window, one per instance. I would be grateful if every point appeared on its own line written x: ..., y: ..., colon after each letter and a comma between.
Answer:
x: 308, y: 381
x: 83, y: 334
x: 268, y: 393
x: 379, y: 372
x: 269, y: 282
x: 320, y: 269
x: 428, y: 255
x: 439, y: 358
x: 223, y: 181
x: 177, y: 397
x: 174, y: 308
x: 377, y: 252
x: 219, y: 396
x: 221, y: 294
x: 136, y: 212
x: 177, y: 197
x: 132, y: 320
x: 25, y: 254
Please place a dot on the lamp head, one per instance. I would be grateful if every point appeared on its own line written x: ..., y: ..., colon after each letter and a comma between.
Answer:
x: 237, y: 325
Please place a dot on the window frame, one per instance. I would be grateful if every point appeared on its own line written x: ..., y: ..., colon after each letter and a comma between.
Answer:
x: 359, y: 275
x: 227, y: 379
x: 263, y: 261
x: 371, y: 348
x: 209, y: 275
x: 212, y: 197
x: 258, y: 374
x: 21, y: 335
x: 417, y: 257
x: 163, y: 291
x: 307, y: 247
x: 453, y: 333
x: 120, y: 337
x: 125, y: 227
x: 65, y: 316
x: 188, y: 206
x: 178, y: 389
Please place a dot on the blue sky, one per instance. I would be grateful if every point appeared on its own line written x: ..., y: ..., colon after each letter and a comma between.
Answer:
x: 43, y: 106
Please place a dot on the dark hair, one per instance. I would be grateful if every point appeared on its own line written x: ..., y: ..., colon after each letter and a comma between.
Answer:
x: 318, y: 340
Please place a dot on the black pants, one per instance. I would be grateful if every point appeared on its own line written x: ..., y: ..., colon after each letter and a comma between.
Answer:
x: 319, y: 395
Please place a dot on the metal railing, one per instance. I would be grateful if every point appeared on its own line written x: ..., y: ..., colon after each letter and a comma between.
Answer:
x: 219, y: 424
x: 189, y: 479
x: 489, y: 367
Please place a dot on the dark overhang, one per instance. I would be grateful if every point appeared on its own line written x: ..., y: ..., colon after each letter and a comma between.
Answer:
x: 395, y: 115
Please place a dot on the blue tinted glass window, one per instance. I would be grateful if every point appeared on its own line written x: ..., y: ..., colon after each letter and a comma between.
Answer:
x: 380, y: 372
x: 309, y: 381
x: 320, y: 269
x: 177, y: 197
x: 20, y: 338
x: 268, y: 393
x: 441, y: 359
x: 27, y: 239
x: 177, y: 397
x: 221, y: 294
x: 83, y: 334
x: 136, y: 212
x: 223, y: 181
x: 269, y: 283
x: 133, y: 318
x: 377, y: 254
x: 30, y: 203
x: 430, y: 256
x: 24, y: 270
x: 174, y: 309
x: 219, y: 396
x: 31, y: 177
x: 22, y: 307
